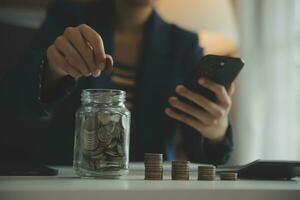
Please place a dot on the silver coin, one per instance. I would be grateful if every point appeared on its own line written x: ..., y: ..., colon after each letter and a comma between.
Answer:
x: 112, y: 144
x: 111, y: 152
x: 117, y: 131
x: 90, y: 141
x: 103, y: 118
x: 110, y: 127
x: 90, y: 123
x: 95, y: 152
x: 100, y: 156
x: 115, y: 118
x: 120, y: 149
x: 99, y: 164
x: 104, y: 136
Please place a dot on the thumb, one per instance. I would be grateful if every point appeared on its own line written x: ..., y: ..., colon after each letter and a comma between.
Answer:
x: 232, y: 89
x: 108, y: 64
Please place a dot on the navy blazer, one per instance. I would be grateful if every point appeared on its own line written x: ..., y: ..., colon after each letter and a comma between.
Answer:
x: 169, y: 56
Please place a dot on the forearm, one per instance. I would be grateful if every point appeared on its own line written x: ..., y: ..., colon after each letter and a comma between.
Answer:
x: 51, y: 83
x: 201, y: 150
x: 219, y: 153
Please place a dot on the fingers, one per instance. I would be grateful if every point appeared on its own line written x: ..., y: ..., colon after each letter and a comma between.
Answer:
x: 201, y: 115
x: 74, y: 36
x: 71, y: 55
x: 82, y: 49
x: 96, y: 42
x: 184, y: 119
x: 61, y: 65
x: 219, y: 91
x: 203, y: 102
x: 212, y: 120
x: 96, y: 69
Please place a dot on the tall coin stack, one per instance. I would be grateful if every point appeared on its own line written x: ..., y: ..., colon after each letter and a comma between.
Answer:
x: 153, y: 166
x: 180, y: 170
x: 206, y: 172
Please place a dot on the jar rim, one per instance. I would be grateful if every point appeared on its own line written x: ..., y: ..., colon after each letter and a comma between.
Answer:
x: 104, y: 90
x: 102, y: 95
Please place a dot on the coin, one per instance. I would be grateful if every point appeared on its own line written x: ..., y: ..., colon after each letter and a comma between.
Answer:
x: 180, y: 170
x: 206, y: 172
x: 112, y: 144
x: 108, y: 65
x: 104, y: 136
x: 103, y: 140
x: 117, y: 131
x: 229, y: 176
x: 103, y: 118
x: 153, y: 166
x: 90, y: 122
x: 120, y: 149
x: 115, y: 118
x: 90, y: 141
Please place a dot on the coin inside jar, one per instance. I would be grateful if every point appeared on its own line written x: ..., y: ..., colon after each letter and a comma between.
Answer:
x: 102, y: 134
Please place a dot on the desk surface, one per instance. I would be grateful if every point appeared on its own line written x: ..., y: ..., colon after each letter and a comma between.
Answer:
x: 67, y: 186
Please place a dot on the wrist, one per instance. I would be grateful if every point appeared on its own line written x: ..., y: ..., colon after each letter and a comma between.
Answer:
x: 218, y: 139
x: 49, y: 82
x: 50, y: 74
x: 221, y: 133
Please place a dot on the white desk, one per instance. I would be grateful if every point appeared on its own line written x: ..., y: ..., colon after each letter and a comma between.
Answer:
x: 67, y: 186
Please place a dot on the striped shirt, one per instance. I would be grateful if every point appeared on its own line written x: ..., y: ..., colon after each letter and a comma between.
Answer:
x: 124, y: 78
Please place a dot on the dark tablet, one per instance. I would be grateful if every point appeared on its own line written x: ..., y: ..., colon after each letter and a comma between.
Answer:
x: 21, y: 138
x: 267, y: 170
x: 26, y: 170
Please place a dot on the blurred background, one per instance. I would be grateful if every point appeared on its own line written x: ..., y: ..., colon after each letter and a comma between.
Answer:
x: 265, y: 33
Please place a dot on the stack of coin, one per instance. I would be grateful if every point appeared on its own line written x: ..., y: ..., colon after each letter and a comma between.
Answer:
x: 206, y: 172
x: 229, y: 176
x: 180, y: 170
x: 153, y: 166
x: 103, y: 141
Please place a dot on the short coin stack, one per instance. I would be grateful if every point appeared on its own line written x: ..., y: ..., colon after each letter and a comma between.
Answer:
x: 153, y: 166
x: 229, y: 176
x: 206, y: 172
x: 180, y: 170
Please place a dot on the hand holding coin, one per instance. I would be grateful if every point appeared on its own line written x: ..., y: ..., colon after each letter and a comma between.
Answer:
x: 78, y: 52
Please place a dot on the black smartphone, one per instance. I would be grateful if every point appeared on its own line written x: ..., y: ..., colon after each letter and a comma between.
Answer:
x: 220, y: 69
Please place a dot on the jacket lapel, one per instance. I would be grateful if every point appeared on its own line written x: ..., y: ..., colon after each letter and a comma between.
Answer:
x: 153, y: 76
x: 152, y: 84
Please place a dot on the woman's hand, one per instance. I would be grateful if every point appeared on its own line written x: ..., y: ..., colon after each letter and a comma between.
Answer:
x: 78, y: 52
x: 212, y: 120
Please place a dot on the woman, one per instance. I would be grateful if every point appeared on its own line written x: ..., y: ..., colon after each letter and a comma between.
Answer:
x: 151, y: 59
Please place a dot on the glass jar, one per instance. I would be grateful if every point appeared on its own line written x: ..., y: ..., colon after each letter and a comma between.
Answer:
x: 102, y: 127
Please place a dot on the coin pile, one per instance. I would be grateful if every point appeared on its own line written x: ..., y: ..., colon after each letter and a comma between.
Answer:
x: 153, y: 166
x: 206, y: 172
x: 103, y: 141
x: 229, y: 176
x: 180, y: 170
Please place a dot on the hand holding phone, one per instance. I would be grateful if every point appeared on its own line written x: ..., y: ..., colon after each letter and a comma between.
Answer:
x: 220, y: 69
x: 197, y: 105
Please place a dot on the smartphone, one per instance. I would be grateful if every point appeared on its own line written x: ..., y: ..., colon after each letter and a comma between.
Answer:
x: 220, y: 69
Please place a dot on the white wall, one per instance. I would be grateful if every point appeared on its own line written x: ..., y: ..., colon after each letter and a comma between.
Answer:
x: 196, y: 15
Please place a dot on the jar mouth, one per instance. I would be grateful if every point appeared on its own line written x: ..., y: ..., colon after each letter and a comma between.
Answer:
x: 107, y: 91
x: 103, y: 95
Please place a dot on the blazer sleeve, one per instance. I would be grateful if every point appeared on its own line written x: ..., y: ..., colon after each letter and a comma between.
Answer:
x: 196, y: 147
x: 20, y: 89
